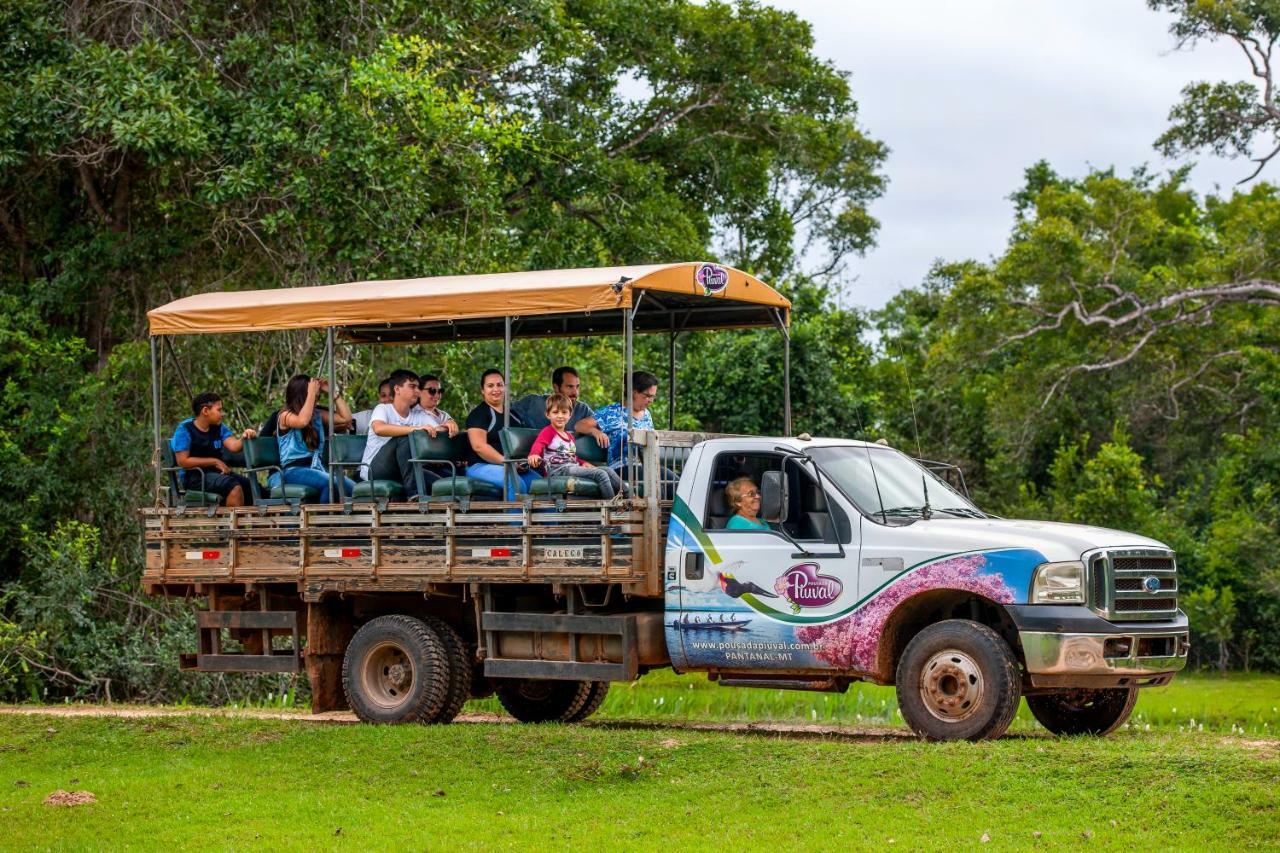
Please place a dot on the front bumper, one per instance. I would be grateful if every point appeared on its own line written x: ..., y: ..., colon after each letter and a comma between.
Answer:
x: 1070, y: 646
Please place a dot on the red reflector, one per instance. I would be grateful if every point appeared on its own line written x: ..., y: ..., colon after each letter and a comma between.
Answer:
x: 351, y: 552
x: 500, y: 552
x: 210, y: 555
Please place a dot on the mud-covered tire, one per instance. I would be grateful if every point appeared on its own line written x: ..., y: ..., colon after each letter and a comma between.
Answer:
x: 958, y: 680
x: 539, y: 701
x: 459, y: 657
x: 396, y: 670
x: 595, y: 698
x: 1084, y: 712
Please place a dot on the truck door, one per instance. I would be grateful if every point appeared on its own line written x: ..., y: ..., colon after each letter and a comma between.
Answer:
x: 748, y: 595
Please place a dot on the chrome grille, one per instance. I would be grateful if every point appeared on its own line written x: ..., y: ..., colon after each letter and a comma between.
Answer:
x: 1120, y: 589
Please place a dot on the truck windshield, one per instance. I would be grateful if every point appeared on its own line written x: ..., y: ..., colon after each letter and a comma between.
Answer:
x: 900, y: 480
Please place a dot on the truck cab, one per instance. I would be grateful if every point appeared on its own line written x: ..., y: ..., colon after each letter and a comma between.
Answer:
x: 868, y: 551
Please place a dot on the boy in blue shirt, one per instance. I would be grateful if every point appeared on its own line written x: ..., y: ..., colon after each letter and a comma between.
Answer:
x: 197, y: 446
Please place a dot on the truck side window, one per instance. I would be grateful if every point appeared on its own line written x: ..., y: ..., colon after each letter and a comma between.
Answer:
x: 808, y: 518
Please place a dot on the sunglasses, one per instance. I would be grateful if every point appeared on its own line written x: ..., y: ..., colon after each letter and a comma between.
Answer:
x: 433, y: 390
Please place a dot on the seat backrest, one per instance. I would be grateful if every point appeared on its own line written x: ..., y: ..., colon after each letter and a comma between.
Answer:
x: 517, y: 442
x: 718, y: 511
x: 262, y: 452
x: 442, y: 448
x: 234, y: 458
x: 348, y: 449
x: 589, y: 450
x: 169, y: 460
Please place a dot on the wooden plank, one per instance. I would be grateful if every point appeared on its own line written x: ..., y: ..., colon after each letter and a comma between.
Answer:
x: 247, y: 663
x: 249, y: 619
x: 557, y: 623
x: 558, y: 669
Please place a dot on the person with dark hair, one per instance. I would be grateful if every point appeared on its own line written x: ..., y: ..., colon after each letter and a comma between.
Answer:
x: 484, y: 426
x: 617, y: 424
x: 362, y: 417
x: 197, y: 445
x: 532, y: 408
x: 386, y: 450
x: 430, y: 393
x: 301, y: 427
x: 556, y: 446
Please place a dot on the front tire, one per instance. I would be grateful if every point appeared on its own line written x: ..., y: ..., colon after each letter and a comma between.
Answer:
x: 1084, y: 712
x: 396, y: 670
x: 540, y: 701
x: 958, y: 680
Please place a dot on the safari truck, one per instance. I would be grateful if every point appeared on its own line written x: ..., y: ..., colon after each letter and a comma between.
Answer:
x: 873, y: 566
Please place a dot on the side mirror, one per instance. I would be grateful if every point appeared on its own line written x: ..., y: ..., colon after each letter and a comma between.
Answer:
x: 773, y: 497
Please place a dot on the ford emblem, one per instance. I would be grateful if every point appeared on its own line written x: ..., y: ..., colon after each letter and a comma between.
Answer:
x: 1151, y: 584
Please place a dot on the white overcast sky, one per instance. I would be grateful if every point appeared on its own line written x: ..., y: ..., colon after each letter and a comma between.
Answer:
x: 968, y: 94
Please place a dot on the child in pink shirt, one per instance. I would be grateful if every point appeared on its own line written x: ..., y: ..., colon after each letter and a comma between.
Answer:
x: 556, y: 447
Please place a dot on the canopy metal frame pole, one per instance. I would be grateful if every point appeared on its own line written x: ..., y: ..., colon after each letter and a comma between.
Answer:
x: 627, y: 334
x: 671, y: 374
x: 334, y: 482
x: 155, y: 416
x: 508, y: 471
x: 786, y: 371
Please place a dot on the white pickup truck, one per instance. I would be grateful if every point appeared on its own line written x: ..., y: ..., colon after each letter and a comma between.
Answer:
x: 876, y: 568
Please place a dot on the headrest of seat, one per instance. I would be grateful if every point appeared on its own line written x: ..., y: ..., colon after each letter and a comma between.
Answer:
x: 718, y: 504
x: 425, y: 447
x: 261, y: 452
x: 817, y: 498
x: 517, y: 442
x: 348, y: 448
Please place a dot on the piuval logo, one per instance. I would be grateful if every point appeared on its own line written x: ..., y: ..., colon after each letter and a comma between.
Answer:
x: 712, y: 277
x: 803, y: 586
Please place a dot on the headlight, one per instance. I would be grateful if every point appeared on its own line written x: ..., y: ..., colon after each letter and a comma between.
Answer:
x: 1058, y: 583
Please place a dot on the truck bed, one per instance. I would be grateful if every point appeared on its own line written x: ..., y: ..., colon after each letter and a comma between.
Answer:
x: 328, y: 548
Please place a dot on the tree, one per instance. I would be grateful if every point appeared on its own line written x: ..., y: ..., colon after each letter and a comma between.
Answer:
x: 149, y: 150
x: 1228, y: 118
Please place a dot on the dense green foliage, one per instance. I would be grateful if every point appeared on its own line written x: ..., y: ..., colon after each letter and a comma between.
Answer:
x: 1116, y: 364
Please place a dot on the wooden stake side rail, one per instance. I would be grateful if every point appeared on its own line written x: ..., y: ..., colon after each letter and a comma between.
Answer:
x: 322, y: 548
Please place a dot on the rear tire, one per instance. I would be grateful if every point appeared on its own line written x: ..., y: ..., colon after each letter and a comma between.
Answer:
x: 538, y: 701
x: 396, y: 670
x: 958, y: 680
x: 459, y: 657
x: 1084, y: 712
x: 595, y: 698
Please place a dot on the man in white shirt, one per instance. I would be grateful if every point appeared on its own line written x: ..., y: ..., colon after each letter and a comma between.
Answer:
x: 387, y: 451
x: 362, y: 418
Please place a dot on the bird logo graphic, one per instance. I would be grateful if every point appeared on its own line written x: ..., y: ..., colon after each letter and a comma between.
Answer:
x: 735, y: 588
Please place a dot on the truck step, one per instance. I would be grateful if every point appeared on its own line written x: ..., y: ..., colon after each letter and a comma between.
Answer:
x: 555, y: 637
x: 817, y: 685
x: 213, y: 658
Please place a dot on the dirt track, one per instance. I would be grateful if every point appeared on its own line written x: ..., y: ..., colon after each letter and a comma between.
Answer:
x: 789, y: 730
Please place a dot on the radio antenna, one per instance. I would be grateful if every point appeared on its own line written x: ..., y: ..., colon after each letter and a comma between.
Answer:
x: 911, y: 401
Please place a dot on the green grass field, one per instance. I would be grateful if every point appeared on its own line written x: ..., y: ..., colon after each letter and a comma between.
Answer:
x: 1244, y: 704
x: 235, y: 783
x: 232, y: 783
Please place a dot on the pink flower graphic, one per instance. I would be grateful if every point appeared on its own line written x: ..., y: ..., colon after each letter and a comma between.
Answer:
x: 852, y: 642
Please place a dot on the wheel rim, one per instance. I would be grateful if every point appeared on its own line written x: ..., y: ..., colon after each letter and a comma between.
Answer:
x: 951, y: 686
x: 387, y: 676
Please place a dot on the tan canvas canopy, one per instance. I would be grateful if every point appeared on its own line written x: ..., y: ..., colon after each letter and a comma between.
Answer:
x: 683, y: 296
